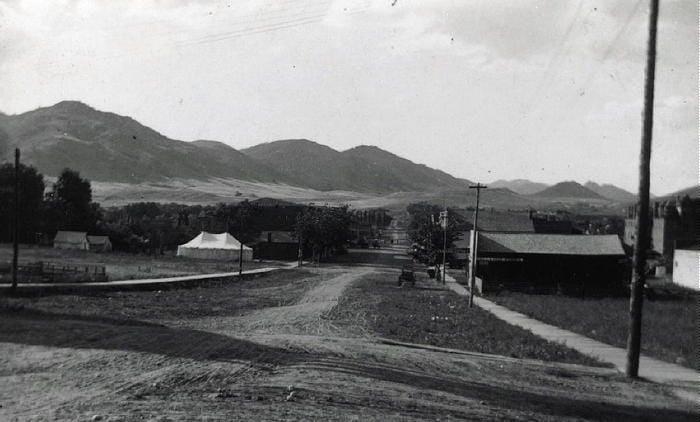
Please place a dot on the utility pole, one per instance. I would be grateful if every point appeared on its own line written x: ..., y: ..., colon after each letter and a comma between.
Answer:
x: 15, y: 228
x: 443, y: 222
x: 475, y: 241
x: 240, y: 236
x: 300, y: 254
x: 642, y: 235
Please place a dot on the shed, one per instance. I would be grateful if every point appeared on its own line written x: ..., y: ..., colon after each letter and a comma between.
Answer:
x: 99, y: 243
x: 220, y: 246
x: 65, y: 239
x: 686, y: 263
x: 282, y: 245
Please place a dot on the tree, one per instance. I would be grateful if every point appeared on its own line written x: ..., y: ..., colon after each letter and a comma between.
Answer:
x: 324, y: 230
x: 31, y: 194
x: 70, y: 205
x: 427, y: 233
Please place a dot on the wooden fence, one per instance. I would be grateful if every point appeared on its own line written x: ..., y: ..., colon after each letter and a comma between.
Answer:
x: 56, y: 273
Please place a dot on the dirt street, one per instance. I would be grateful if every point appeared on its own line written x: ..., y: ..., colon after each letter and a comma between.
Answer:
x: 209, y: 357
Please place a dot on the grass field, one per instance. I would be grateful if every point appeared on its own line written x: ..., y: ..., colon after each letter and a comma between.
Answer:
x: 669, y: 327
x: 221, y: 298
x: 125, y: 266
x: 430, y: 314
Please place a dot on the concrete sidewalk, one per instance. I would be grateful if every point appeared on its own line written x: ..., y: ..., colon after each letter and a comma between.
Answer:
x: 148, y: 281
x: 649, y: 368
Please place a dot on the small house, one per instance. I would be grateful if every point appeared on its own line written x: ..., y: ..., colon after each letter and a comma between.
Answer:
x: 65, y: 239
x: 99, y: 243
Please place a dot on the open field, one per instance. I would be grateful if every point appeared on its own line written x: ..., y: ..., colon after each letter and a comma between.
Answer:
x: 669, y: 327
x: 271, y: 348
x: 125, y: 266
x: 431, y: 314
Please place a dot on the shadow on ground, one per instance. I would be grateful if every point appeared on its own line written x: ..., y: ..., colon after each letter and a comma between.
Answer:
x: 39, y: 328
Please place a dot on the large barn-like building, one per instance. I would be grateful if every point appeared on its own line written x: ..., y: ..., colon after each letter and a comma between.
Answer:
x: 574, y: 264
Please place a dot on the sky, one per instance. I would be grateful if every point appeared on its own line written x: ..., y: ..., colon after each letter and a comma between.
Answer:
x: 546, y: 90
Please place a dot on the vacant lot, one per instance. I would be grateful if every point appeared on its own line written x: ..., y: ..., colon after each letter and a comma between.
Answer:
x: 268, y: 349
x: 125, y: 266
x: 669, y: 328
x: 431, y: 314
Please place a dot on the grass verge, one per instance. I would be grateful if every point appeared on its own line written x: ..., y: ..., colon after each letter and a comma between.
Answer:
x: 669, y: 327
x: 430, y: 314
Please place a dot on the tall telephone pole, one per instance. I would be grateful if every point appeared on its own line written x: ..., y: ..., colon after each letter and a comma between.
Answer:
x: 475, y: 241
x: 443, y: 223
x: 642, y: 232
x: 15, y: 226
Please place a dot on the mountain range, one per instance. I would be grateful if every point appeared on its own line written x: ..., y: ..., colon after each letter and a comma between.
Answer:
x: 570, y: 189
x: 107, y: 147
x: 111, y: 150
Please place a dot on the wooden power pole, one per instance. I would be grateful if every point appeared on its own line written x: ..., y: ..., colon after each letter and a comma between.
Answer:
x: 642, y: 231
x: 15, y: 226
x: 475, y: 241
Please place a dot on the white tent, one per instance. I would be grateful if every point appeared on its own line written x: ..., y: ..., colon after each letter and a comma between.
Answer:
x: 221, y: 246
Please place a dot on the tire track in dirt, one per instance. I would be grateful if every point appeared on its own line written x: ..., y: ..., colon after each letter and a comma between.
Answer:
x: 307, y: 315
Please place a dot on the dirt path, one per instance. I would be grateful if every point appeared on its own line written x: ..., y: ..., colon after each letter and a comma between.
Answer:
x: 286, y: 362
x: 307, y: 315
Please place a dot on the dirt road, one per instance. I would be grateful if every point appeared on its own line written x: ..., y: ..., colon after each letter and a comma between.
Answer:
x: 278, y: 360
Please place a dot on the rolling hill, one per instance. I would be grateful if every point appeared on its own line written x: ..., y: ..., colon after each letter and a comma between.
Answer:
x: 569, y: 190
x: 106, y: 147
x: 521, y: 186
x: 360, y: 169
x: 611, y: 192
x: 111, y: 148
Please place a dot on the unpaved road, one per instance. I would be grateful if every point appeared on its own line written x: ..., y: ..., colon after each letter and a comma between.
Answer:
x: 286, y: 362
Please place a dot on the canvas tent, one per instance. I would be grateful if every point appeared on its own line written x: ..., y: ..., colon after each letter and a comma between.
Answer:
x: 220, y: 246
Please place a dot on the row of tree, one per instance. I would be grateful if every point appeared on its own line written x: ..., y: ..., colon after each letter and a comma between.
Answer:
x: 152, y: 227
x: 427, y: 233
x: 68, y: 205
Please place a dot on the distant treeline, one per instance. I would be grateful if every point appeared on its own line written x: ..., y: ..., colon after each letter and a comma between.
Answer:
x: 154, y: 228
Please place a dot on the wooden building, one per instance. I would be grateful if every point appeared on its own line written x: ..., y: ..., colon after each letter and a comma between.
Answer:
x: 278, y: 245
x: 550, y: 263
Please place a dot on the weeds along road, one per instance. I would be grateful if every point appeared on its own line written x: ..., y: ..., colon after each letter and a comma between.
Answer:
x: 265, y: 349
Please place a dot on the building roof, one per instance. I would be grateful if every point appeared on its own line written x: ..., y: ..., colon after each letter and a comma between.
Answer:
x: 277, y: 237
x: 505, y: 222
x: 66, y: 236
x: 206, y: 240
x: 550, y: 244
x: 98, y: 240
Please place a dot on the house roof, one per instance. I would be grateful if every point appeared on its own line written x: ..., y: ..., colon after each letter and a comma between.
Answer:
x: 98, y: 240
x: 550, y: 244
x: 206, y: 240
x: 70, y: 236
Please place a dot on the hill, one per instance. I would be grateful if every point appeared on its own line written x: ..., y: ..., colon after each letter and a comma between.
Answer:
x: 107, y: 147
x: 112, y: 148
x: 521, y: 186
x: 611, y: 192
x: 360, y: 169
x: 692, y: 192
x: 568, y: 190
